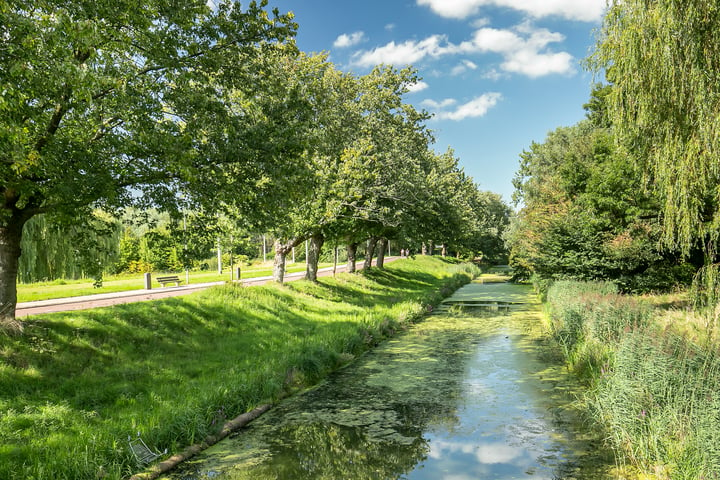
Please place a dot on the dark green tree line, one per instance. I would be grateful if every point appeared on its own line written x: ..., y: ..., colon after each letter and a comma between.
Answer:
x: 208, y: 113
x: 585, y: 213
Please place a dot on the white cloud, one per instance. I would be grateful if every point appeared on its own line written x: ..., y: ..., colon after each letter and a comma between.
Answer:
x: 535, y: 65
x: 492, y: 74
x: 583, y: 10
x: 417, y: 87
x: 480, y: 22
x: 405, y: 53
x: 438, y: 105
x: 476, y: 107
x: 390, y: 27
x: 453, y: 8
x: 463, y: 67
x: 350, y: 40
x: 525, y: 50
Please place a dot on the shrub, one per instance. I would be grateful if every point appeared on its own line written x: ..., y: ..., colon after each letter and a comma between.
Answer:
x: 140, y: 266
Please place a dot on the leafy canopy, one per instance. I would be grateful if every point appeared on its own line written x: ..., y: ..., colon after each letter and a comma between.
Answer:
x: 662, y: 58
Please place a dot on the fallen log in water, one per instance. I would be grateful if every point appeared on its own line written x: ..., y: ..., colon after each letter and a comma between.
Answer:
x: 156, y: 470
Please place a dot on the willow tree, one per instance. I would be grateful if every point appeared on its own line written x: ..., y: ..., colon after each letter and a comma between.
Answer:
x: 663, y: 60
x: 85, y: 248
x: 112, y: 102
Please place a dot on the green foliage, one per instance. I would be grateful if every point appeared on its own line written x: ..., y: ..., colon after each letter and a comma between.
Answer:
x: 129, y: 253
x: 77, y: 384
x: 109, y: 103
x: 585, y: 214
x: 139, y: 266
x: 661, y: 58
x: 53, y: 248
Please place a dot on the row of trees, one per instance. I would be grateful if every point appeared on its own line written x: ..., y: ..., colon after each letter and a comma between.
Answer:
x: 631, y: 193
x: 212, y: 115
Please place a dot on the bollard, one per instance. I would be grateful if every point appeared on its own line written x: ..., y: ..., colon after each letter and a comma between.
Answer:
x: 148, y: 282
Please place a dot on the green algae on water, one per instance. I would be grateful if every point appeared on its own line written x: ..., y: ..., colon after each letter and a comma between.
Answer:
x: 467, y: 393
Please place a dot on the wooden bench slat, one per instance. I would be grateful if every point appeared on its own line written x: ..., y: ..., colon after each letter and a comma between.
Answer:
x: 168, y: 279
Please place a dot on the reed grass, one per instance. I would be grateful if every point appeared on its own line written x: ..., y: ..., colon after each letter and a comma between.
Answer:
x: 655, y: 392
x: 76, y: 385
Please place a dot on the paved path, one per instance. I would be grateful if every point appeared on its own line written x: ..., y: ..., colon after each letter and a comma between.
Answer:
x: 24, y: 309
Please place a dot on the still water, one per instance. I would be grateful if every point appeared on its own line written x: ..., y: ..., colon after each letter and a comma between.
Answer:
x: 469, y: 393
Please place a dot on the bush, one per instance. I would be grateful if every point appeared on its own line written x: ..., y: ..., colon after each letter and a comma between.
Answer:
x: 139, y: 266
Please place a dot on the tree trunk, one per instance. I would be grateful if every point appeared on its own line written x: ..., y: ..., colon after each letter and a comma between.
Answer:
x: 335, y: 260
x: 281, y: 251
x: 444, y: 250
x: 10, y: 236
x: 369, y: 252
x: 382, y: 248
x: 351, y: 252
x: 431, y: 248
x: 279, y: 263
x: 316, y: 243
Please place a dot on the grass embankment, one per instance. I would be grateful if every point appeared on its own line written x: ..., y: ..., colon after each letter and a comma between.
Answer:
x: 76, y: 385
x: 654, y: 378
x: 28, y: 292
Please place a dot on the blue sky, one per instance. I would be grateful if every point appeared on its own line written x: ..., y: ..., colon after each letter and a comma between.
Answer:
x: 497, y: 74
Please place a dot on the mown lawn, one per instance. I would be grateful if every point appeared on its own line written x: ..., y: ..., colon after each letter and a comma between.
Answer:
x: 28, y: 292
x: 77, y: 384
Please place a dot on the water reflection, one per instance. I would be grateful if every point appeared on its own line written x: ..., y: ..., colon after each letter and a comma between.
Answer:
x: 461, y: 396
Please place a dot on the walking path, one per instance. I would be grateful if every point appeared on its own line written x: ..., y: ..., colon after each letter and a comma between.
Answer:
x: 24, y: 309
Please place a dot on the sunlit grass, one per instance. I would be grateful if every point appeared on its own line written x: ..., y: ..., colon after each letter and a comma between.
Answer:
x: 76, y: 385
x: 28, y: 292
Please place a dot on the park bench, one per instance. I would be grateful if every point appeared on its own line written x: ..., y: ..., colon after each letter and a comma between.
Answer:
x: 141, y: 451
x: 168, y: 279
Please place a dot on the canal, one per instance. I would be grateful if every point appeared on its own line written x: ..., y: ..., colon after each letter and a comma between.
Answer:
x: 471, y: 392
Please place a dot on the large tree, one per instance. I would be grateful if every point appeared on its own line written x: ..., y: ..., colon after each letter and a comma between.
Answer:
x: 111, y: 102
x: 662, y: 58
x: 584, y: 212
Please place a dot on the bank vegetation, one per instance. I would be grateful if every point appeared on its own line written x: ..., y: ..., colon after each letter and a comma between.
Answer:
x: 76, y: 385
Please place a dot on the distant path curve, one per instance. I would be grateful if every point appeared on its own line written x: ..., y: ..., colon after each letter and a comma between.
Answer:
x: 25, y: 309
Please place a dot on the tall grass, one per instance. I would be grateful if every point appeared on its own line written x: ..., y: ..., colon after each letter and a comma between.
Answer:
x: 656, y: 393
x: 76, y: 385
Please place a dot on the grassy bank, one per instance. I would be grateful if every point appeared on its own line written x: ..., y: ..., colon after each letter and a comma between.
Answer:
x: 654, y: 383
x: 77, y: 384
